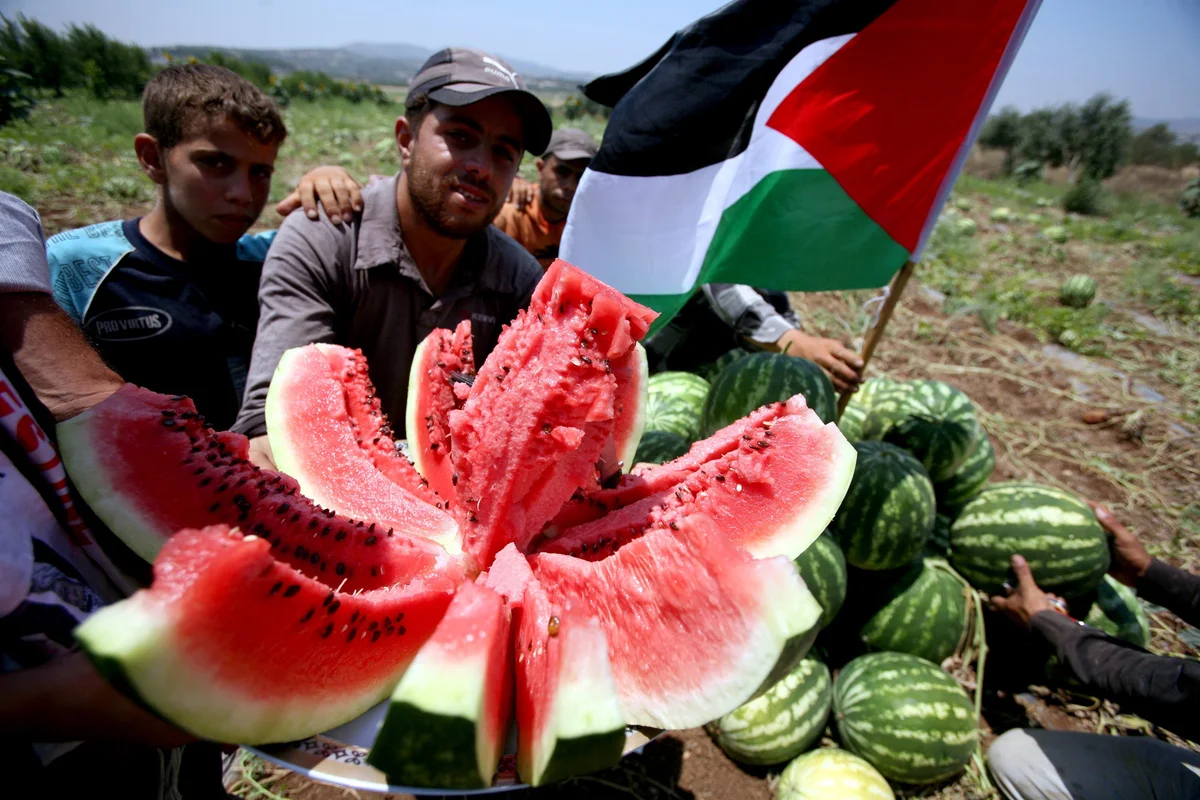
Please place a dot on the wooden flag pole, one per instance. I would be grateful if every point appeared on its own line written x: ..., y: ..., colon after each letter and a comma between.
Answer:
x: 885, y: 313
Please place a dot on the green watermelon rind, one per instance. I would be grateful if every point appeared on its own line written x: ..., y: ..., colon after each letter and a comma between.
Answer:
x: 832, y: 774
x: 926, y: 617
x: 627, y: 449
x: 761, y: 378
x: 823, y: 568
x: 420, y: 744
x: 781, y: 723
x: 910, y: 720
x: 934, y: 420
x: 1054, y: 530
x: 675, y: 402
x: 1118, y: 612
x: 969, y: 479
x: 658, y: 447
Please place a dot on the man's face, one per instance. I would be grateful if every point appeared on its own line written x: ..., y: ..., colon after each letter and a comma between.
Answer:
x: 558, y: 181
x: 461, y: 163
x: 218, y: 179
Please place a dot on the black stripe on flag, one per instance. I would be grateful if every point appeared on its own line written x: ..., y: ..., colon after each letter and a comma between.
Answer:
x: 693, y: 102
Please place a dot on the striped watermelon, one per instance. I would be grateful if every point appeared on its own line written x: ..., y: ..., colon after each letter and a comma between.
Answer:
x: 1118, y: 613
x: 861, y: 403
x: 823, y: 568
x: 887, y: 515
x: 712, y: 369
x: 658, y: 447
x: 781, y: 723
x: 832, y: 774
x: 933, y: 420
x: 912, y: 721
x: 763, y: 378
x: 971, y: 476
x: 675, y: 402
x: 1054, y: 530
x: 925, y: 613
x: 939, y: 540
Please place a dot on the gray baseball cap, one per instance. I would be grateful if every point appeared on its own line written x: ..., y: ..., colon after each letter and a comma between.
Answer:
x: 568, y: 144
x: 459, y: 76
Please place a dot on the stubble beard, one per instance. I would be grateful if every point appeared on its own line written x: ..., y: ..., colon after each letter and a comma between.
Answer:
x: 429, y: 196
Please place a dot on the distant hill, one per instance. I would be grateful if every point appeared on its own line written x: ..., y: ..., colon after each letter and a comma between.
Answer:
x: 370, y: 61
x: 1187, y: 129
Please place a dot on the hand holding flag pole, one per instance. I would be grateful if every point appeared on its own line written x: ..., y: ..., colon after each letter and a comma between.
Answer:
x: 895, y: 289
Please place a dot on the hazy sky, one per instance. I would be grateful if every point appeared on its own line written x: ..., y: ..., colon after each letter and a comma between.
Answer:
x: 1146, y: 50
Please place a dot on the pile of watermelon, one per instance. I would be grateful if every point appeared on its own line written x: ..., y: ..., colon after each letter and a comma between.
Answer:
x: 510, y: 574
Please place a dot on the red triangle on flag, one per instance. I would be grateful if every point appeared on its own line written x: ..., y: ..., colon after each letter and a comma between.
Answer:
x: 888, y: 112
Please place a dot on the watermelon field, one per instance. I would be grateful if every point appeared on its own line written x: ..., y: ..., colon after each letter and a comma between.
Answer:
x: 1036, y: 359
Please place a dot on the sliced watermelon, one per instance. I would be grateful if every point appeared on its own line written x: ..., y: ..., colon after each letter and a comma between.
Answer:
x: 694, y: 625
x: 234, y: 646
x: 148, y: 467
x: 435, y: 388
x: 541, y: 409
x: 569, y: 721
x: 314, y: 439
x: 448, y: 718
x: 633, y: 379
x: 772, y: 482
x: 508, y: 575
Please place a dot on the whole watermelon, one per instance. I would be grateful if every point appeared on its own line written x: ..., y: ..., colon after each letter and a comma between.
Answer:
x: 861, y: 403
x: 763, y: 378
x: 832, y: 774
x: 1077, y: 291
x: 1118, y: 613
x: 924, y: 614
x: 674, y: 402
x: 782, y: 722
x: 971, y: 476
x: 933, y: 420
x: 659, y: 447
x: 1054, y: 530
x: 887, y: 514
x: 712, y: 369
x: 823, y: 568
x: 912, y: 721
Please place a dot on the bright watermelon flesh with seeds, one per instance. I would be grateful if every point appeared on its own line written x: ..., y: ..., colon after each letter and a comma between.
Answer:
x: 682, y: 621
x: 315, y: 440
x: 233, y: 645
x: 439, y: 380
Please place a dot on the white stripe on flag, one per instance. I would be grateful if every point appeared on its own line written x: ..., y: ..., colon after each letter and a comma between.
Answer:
x: 649, y: 235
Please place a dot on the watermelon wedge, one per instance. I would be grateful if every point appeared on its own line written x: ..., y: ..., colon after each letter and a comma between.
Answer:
x: 541, y: 409
x: 315, y: 440
x: 448, y: 718
x: 234, y: 646
x: 435, y: 388
x: 694, y: 625
x: 630, y: 403
x: 569, y: 721
x: 771, y: 482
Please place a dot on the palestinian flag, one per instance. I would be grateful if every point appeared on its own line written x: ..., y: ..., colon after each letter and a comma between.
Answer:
x: 804, y: 145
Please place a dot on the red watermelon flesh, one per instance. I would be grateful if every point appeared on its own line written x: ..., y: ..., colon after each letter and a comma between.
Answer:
x: 314, y: 439
x: 371, y: 428
x: 771, y: 485
x: 694, y: 625
x: 147, y: 465
x: 448, y: 719
x: 569, y: 720
x: 541, y: 409
x: 433, y: 393
x: 508, y: 575
x: 234, y: 646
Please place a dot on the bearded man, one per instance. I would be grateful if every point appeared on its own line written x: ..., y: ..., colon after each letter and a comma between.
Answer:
x: 423, y: 254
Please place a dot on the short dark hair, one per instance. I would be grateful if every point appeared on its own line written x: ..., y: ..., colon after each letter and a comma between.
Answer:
x: 176, y: 98
x: 416, y: 108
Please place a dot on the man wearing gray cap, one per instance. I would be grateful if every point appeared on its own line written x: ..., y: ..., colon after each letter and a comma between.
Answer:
x: 423, y: 254
x: 535, y: 215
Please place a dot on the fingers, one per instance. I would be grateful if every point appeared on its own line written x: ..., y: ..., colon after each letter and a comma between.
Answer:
x: 1024, y: 574
x: 328, y: 197
x: 848, y: 357
x: 288, y: 204
x: 308, y: 198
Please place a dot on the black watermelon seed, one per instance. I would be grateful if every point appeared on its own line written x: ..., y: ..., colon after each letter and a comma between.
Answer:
x: 295, y: 517
x: 167, y: 412
x: 325, y: 531
x: 350, y: 636
x: 334, y: 606
x: 328, y: 630
x: 341, y: 568
x: 340, y: 535
x: 178, y: 397
x: 400, y: 631
x: 283, y: 508
x: 312, y: 523
x: 198, y: 471
x: 168, y: 423
x: 309, y: 615
x: 373, y: 625
x: 301, y: 552
x: 372, y: 528
x: 213, y: 507
x: 278, y: 585
x: 314, y: 558
x: 454, y: 479
x: 370, y: 540
x: 354, y: 618
x: 358, y: 524
x: 375, y: 636
x: 374, y: 572
x: 400, y: 616
x: 328, y: 599
x: 205, y: 482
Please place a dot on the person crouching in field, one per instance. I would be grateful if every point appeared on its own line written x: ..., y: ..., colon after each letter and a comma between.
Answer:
x: 170, y: 300
x: 423, y: 254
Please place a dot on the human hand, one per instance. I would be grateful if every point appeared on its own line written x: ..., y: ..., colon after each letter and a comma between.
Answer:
x: 67, y: 699
x: 1024, y: 602
x: 261, y: 454
x: 522, y: 192
x: 329, y: 186
x: 843, y: 365
x: 1130, y: 559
